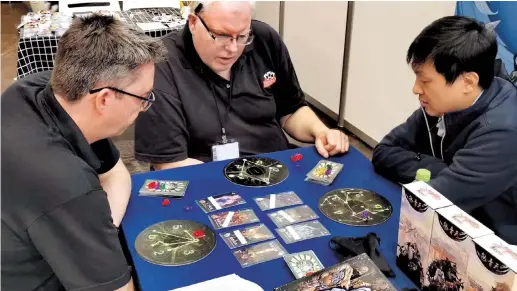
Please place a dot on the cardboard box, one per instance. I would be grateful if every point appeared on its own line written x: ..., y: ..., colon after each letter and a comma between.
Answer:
x: 451, y: 249
x: 418, y: 209
x: 494, y: 267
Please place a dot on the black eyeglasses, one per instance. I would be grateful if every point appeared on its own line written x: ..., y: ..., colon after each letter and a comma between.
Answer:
x: 146, y: 101
x: 223, y: 40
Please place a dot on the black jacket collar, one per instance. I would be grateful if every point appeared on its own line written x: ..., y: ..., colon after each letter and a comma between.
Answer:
x: 68, y: 128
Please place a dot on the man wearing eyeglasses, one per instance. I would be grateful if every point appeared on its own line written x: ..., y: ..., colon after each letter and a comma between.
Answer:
x: 64, y: 187
x: 228, y: 89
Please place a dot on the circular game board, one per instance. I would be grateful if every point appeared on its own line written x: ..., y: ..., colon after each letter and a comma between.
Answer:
x: 175, y: 242
x: 356, y: 207
x: 256, y: 172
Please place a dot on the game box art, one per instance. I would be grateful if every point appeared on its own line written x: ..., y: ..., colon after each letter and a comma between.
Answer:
x: 418, y: 209
x: 494, y: 266
x: 358, y: 273
x: 451, y: 249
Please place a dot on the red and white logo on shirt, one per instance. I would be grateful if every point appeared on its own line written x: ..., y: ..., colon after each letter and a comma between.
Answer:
x: 269, y: 79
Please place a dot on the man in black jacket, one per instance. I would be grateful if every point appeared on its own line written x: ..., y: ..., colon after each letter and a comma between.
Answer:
x: 466, y: 131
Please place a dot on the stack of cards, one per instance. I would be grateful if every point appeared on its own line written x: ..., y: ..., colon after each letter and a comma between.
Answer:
x: 260, y: 253
x: 279, y: 200
x: 302, y: 231
x: 303, y: 264
x: 175, y: 189
x: 247, y: 236
x: 219, y: 202
x: 292, y: 215
x: 324, y: 172
x: 233, y: 218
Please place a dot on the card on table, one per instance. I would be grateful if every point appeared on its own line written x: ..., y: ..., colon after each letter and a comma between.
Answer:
x: 246, y: 236
x: 302, y: 231
x: 303, y: 263
x: 259, y: 253
x: 279, y: 200
x: 164, y: 188
x: 219, y: 202
x: 324, y: 172
x: 233, y: 218
x: 292, y: 215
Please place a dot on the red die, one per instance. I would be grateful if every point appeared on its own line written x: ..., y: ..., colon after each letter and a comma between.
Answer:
x: 199, y: 234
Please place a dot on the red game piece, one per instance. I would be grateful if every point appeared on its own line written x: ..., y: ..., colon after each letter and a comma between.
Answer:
x: 151, y: 185
x: 296, y: 158
x: 199, y: 234
x: 166, y: 202
x: 308, y: 274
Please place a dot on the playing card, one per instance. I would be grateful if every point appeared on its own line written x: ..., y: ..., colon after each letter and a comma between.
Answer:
x: 292, y: 215
x: 303, y: 264
x: 273, y: 201
x: 302, y: 231
x: 324, y: 172
x: 246, y: 236
x: 233, y: 218
x: 260, y: 253
x: 164, y: 188
x: 219, y: 202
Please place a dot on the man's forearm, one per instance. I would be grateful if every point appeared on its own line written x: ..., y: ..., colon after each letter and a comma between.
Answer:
x: 117, y: 184
x: 184, y: 163
x: 400, y: 165
x: 303, y: 125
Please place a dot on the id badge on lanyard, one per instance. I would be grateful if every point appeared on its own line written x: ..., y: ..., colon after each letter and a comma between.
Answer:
x: 225, y: 149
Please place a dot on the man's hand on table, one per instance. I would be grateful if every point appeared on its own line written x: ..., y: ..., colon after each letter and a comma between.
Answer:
x: 331, y: 142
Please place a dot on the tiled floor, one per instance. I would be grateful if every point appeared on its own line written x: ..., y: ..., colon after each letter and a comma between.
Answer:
x: 11, y: 15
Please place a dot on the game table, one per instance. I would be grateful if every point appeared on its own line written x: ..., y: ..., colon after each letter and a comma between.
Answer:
x: 208, y: 179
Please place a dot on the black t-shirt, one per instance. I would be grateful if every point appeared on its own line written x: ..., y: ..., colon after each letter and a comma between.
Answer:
x: 185, y: 122
x: 57, y: 230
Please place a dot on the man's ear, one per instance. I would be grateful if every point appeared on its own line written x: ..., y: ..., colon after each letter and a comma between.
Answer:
x: 192, y: 20
x: 103, y: 99
x: 471, y: 81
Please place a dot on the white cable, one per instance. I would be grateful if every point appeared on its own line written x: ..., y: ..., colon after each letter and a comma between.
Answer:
x: 429, y: 132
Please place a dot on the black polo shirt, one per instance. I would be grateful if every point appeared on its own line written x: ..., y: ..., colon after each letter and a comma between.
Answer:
x: 184, y: 120
x: 57, y: 230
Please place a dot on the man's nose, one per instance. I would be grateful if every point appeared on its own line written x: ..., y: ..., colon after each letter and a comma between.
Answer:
x: 417, y: 90
x: 232, y: 46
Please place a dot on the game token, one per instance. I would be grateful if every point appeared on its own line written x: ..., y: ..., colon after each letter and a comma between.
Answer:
x: 187, y: 208
x: 199, y: 233
x: 356, y: 207
x: 166, y: 202
x: 173, y: 242
x: 256, y: 172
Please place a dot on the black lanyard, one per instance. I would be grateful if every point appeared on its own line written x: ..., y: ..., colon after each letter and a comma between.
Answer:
x: 222, y: 119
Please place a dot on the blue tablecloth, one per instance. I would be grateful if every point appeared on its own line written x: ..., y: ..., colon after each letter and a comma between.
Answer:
x: 208, y: 179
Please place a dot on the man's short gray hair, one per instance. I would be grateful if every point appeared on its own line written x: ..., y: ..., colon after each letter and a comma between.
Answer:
x: 101, y: 49
x: 194, y: 4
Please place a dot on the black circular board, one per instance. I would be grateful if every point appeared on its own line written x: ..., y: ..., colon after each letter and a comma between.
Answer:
x: 348, y: 206
x: 175, y: 242
x: 256, y: 172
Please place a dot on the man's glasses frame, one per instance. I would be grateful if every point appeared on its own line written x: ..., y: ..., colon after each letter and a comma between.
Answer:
x: 226, y: 39
x: 146, y: 101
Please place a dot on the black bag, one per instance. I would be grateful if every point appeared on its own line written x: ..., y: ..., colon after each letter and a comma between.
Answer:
x: 350, y: 247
